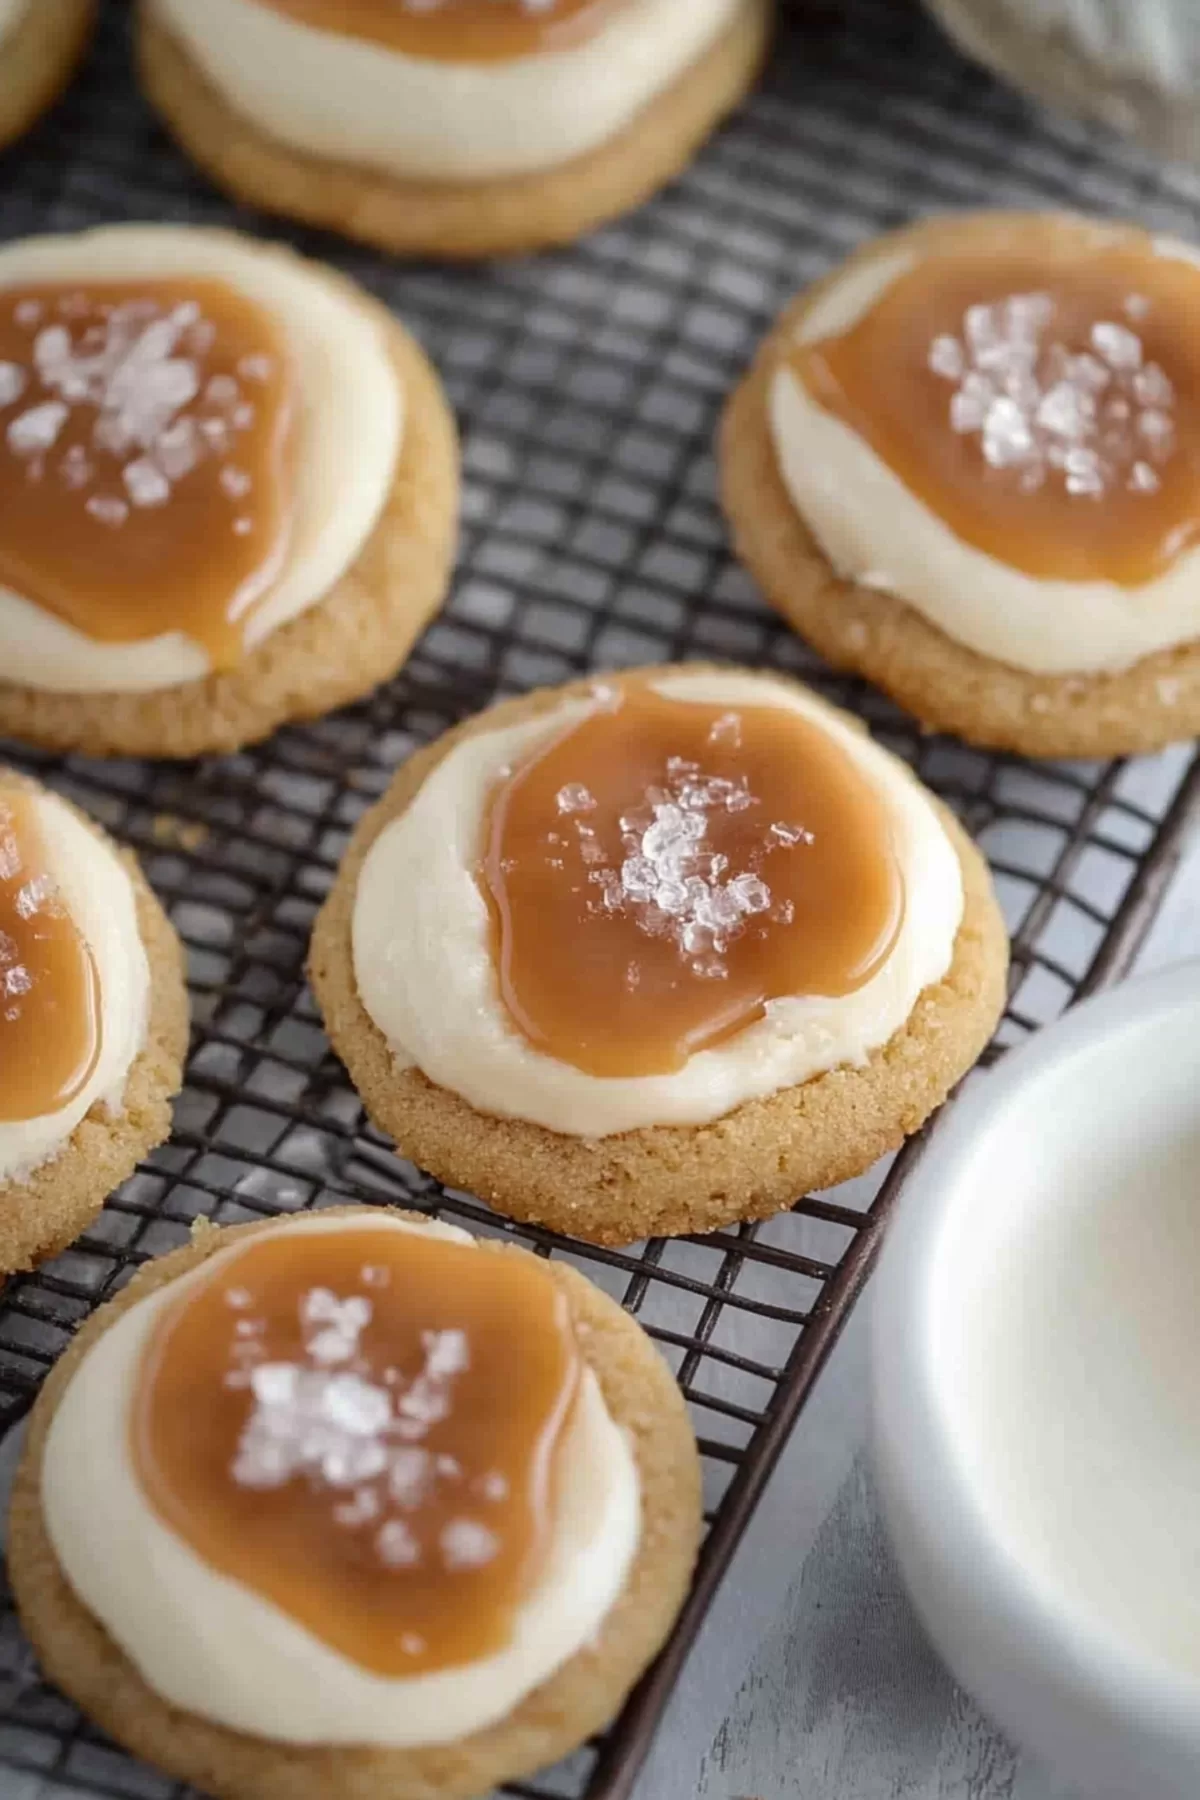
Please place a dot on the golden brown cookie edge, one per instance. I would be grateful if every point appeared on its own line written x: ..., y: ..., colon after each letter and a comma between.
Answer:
x: 38, y: 61
x: 456, y: 219
x: 945, y: 685
x: 77, y: 1653
x: 44, y: 1213
x: 337, y: 651
x: 663, y: 1180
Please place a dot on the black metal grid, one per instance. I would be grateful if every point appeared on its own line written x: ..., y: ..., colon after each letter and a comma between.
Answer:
x: 588, y: 384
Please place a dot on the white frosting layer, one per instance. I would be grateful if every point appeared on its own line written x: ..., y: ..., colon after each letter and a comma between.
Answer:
x: 345, y: 100
x: 215, y: 1648
x: 100, y: 899
x: 423, y: 962
x: 874, y: 530
x: 11, y: 14
x: 349, y: 425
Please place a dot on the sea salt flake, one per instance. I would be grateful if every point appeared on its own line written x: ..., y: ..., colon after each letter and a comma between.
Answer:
x: 106, y: 510
x: 446, y: 1353
x: 178, y: 448
x: 76, y: 467
x: 467, y: 1544
x: 791, y: 834
x: 396, y: 1546
x: 1155, y: 426
x: 947, y: 358
x: 235, y: 481
x: 145, y: 484
x: 1120, y: 347
x: 33, y: 895
x: 361, y: 1509
x: 752, y: 894
x: 12, y: 382
x: 727, y: 730
x: 1007, y: 437
x: 410, y: 1475
x: 574, y: 797
x: 1066, y: 411
x: 38, y: 429
x: 1143, y: 479
x: 17, y: 981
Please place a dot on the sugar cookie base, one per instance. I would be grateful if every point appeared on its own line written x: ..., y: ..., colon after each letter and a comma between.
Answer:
x: 38, y: 60
x: 45, y: 1212
x: 666, y: 1179
x: 76, y: 1652
x: 358, y: 636
x: 945, y: 685
x: 451, y: 218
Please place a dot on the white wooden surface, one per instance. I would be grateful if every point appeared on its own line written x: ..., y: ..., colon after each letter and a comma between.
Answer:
x: 812, y: 1680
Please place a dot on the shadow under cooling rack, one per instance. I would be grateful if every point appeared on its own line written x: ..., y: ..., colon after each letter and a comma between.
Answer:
x: 588, y: 385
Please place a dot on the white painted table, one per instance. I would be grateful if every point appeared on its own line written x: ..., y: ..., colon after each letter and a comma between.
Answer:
x: 812, y: 1678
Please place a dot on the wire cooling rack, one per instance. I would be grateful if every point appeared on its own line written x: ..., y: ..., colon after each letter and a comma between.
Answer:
x: 588, y: 384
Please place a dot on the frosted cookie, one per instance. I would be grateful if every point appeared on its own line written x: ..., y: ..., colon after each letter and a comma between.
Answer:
x: 462, y: 128
x: 967, y: 466
x: 656, y: 954
x: 229, y: 483
x: 371, y: 1509
x: 41, y: 42
x: 93, y: 1021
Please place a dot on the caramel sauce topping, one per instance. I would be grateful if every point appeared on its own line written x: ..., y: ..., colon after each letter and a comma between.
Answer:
x: 49, y: 990
x: 457, y: 30
x: 663, y: 869
x: 145, y: 478
x: 1038, y: 388
x: 362, y: 1427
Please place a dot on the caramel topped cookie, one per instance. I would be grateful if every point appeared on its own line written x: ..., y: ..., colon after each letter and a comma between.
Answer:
x: 657, y: 952
x: 459, y: 128
x: 968, y: 465
x: 231, y: 486
x: 419, y: 1510
x: 93, y: 1021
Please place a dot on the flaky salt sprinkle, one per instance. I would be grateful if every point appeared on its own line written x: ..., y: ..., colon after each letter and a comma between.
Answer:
x: 140, y: 369
x: 327, y: 1421
x: 1098, y: 417
x: 672, y: 883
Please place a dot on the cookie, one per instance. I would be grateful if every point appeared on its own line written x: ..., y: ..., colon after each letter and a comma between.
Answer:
x: 40, y: 49
x: 345, y: 495
x: 577, y: 1699
x: 57, y: 1170
x: 864, y: 625
x: 443, y: 216
x: 614, y: 1160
